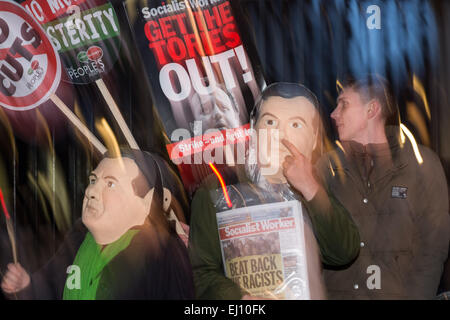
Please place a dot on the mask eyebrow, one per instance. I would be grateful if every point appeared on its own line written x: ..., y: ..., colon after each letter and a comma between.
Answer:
x: 268, y: 114
x: 112, y: 178
x: 300, y: 118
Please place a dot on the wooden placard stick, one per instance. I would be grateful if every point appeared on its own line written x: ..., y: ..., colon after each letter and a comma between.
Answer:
x: 9, y: 227
x: 78, y: 124
x: 117, y: 114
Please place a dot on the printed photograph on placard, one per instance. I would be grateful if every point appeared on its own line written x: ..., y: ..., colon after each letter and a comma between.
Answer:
x: 204, y: 76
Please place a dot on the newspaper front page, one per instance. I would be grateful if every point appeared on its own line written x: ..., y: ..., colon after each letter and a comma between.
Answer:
x: 263, y: 249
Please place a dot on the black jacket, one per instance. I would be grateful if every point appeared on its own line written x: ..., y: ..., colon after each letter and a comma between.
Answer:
x: 154, y: 266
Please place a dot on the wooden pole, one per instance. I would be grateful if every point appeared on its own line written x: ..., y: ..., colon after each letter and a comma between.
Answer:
x: 117, y: 114
x: 9, y: 227
x: 78, y: 124
x: 12, y: 239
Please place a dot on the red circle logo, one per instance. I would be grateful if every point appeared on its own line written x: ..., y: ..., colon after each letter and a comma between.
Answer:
x: 94, y: 53
x: 34, y: 65
x: 24, y: 46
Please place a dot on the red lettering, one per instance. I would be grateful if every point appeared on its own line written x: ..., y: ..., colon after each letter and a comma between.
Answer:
x: 200, y: 21
x: 216, y: 42
x: 230, y: 33
x: 213, y: 21
x: 193, y: 45
x: 176, y: 48
x: 152, y: 31
x: 181, y: 22
x: 183, y: 43
x: 166, y: 27
x: 225, y: 12
x: 158, y: 51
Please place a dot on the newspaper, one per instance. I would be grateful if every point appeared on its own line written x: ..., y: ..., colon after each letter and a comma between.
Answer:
x: 263, y: 249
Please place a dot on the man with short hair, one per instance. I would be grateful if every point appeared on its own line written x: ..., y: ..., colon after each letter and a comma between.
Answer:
x: 396, y: 193
x: 124, y: 247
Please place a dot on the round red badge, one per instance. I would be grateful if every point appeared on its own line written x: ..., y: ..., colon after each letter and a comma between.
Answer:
x: 94, y: 53
x: 30, y: 69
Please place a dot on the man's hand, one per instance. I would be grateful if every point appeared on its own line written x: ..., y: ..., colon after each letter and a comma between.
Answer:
x: 299, y: 172
x: 15, y: 279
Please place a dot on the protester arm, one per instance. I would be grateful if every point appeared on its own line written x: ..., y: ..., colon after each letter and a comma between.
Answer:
x: 205, y: 254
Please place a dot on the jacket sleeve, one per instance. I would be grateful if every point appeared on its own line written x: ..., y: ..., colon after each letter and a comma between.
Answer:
x: 432, y: 233
x: 335, y: 230
x: 205, y: 254
x: 178, y: 284
x: 48, y: 282
x: 42, y: 285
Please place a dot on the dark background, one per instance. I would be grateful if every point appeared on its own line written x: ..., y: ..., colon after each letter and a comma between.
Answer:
x: 44, y: 168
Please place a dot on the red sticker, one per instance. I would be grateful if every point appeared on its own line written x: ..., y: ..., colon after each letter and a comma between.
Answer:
x: 34, y: 65
x: 30, y: 69
x: 94, y: 53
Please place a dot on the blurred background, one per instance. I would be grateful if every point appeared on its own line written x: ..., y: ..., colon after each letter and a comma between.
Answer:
x: 44, y: 165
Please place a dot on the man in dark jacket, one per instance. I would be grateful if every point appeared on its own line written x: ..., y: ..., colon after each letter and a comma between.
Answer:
x: 330, y: 234
x: 123, y: 249
x: 396, y: 193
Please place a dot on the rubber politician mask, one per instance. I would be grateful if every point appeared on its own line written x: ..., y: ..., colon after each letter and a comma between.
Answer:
x: 111, y: 205
x: 293, y: 119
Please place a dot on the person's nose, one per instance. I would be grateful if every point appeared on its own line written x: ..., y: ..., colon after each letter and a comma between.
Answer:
x: 93, y: 191
x: 282, y: 131
x: 335, y: 114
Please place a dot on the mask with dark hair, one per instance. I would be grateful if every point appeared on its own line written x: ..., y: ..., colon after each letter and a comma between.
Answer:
x: 170, y: 182
x: 285, y: 90
x: 284, y: 111
x: 124, y: 191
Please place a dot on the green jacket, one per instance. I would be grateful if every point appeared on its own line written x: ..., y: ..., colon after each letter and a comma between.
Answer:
x: 336, y: 234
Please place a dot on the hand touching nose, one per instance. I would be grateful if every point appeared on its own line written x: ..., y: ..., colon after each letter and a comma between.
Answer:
x: 298, y: 171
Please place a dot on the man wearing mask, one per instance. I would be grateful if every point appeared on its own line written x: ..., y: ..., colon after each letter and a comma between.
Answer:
x: 395, y: 191
x: 291, y: 112
x: 123, y: 249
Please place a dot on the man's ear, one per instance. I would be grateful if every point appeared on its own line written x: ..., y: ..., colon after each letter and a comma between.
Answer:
x: 374, y: 109
x: 148, y: 199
